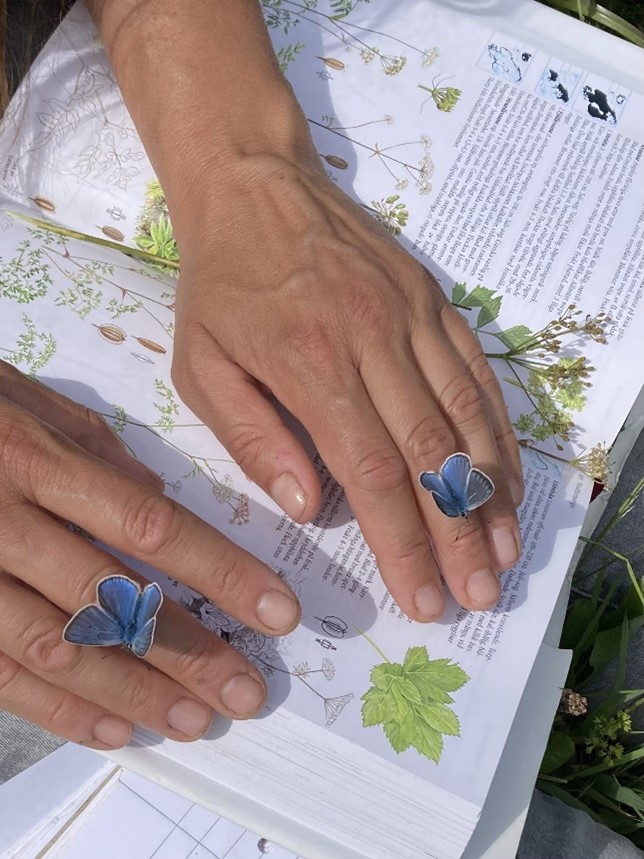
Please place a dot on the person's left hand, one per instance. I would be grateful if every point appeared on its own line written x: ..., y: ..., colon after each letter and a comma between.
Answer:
x: 300, y: 291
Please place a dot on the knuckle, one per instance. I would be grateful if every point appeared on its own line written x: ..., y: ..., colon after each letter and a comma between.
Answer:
x: 463, y: 401
x: 19, y: 450
x: 44, y: 650
x: 151, y: 524
x: 367, y: 307
x: 231, y: 578
x: 310, y: 347
x: 430, y: 439
x: 481, y: 370
x: 245, y: 443
x: 465, y: 543
x: 379, y: 469
x: 137, y: 693
x: 9, y: 673
x: 64, y: 716
x: 196, y: 665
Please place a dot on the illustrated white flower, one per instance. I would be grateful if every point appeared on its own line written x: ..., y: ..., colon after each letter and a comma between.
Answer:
x: 328, y: 669
x: 429, y: 57
x: 401, y: 184
x: 334, y: 706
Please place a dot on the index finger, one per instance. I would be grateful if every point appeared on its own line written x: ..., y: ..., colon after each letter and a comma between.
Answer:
x: 134, y: 518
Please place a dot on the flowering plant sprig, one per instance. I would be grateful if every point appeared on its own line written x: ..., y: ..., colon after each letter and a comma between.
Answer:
x: 554, y: 383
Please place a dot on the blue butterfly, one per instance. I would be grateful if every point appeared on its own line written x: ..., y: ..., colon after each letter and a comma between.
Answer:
x: 125, y: 614
x: 457, y: 488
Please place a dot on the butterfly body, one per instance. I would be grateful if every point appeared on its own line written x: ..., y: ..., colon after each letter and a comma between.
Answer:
x: 125, y: 614
x: 457, y: 488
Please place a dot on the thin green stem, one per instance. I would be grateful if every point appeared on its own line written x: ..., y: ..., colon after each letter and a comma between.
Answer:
x: 373, y: 644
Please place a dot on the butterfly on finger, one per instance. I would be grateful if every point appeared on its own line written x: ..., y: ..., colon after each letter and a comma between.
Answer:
x: 124, y: 614
x: 457, y: 488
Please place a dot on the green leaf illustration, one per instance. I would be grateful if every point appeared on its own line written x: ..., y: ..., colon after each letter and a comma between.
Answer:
x: 458, y: 293
x: 410, y: 702
x: 480, y: 296
x: 515, y: 336
x: 489, y: 311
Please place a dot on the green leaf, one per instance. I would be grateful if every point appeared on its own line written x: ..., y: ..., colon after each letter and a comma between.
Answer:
x: 398, y: 736
x: 559, y: 750
x: 407, y: 689
x: 382, y: 675
x: 580, y: 614
x: 409, y: 701
x: 489, y: 312
x: 426, y: 740
x: 458, y: 293
x: 608, y: 643
x: 480, y: 296
x: 610, y: 787
x: 514, y: 337
x: 375, y: 708
x: 440, y: 718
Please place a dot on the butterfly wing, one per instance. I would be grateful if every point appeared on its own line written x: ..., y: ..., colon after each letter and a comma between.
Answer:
x: 94, y: 626
x: 456, y: 471
x: 142, y: 633
x: 118, y: 596
x: 434, y: 484
x: 479, y: 489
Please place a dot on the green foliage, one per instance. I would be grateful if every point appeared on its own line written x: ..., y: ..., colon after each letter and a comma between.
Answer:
x: 159, y: 240
x: 410, y: 702
x: 168, y: 407
x: 33, y: 350
x: 25, y: 277
x: 592, y: 762
x: 390, y: 213
x: 287, y: 54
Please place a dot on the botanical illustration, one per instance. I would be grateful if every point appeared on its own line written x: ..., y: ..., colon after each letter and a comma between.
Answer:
x: 267, y: 654
x: 154, y: 229
x: 411, y: 702
x: 547, y: 366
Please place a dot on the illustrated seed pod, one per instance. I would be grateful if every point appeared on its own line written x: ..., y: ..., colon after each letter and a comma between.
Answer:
x: 151, y: 345
x: 112, y: 333
x: 44, y: 203
x: 336, y: 161
x: 113, y: 233
x: 332, y: 63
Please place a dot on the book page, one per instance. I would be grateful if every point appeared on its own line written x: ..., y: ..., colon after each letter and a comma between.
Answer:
x: 134, y: 816
x: 481, y: 155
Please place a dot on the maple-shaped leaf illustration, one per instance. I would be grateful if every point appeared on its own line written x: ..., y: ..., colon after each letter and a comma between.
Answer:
x: 410, y: 702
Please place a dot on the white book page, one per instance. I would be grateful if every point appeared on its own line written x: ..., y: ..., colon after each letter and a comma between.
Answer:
x: 137, y: 817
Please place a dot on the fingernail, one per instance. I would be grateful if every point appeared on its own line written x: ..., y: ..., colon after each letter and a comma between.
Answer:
x: 277, y: 610
x: 190, y: 717
x: 112, y: 731
x: 242, y: 695
x: 290, y: 496
x: 517, y: 489
x: 505, y: 547
x: 429, y: 602
x: 483, y: 588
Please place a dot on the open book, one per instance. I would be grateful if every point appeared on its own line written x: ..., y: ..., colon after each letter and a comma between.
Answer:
x: 513, y: 169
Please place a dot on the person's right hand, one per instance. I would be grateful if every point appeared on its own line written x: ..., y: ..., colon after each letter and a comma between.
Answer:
x: 60, y: 463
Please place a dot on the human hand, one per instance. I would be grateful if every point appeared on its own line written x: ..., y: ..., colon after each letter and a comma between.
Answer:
x: 60, y: 463
x: 298, y: 290
x: 288, y: 284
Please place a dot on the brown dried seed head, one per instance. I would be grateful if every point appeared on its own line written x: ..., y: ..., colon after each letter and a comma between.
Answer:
x: 113, y: 233
x: 332, y: 63
x: 44, y: 203
x: 336, y: 161
x: 112, y: 333
x: 151, y: 345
